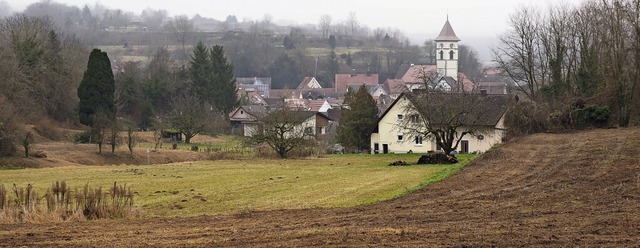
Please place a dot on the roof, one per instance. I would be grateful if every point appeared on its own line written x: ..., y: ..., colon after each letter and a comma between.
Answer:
x: 447, y: 33
x: 342, y: 80
x: 309, y: 83
x: 416, y: 73
x: 254, y: 80
x: 492, y: 107
x: 394, y: 86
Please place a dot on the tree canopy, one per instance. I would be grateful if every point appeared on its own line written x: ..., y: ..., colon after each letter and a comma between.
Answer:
x: 359, y: 117
x: 96, y: 90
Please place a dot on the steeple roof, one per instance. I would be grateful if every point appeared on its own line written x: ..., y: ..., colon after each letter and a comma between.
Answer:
x: 447, y: 33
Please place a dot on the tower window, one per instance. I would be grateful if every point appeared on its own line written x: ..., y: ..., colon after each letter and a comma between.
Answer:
x: 451, y: 55
x: 451, y: 45
x: 441, y: 54
x: 441, y: 45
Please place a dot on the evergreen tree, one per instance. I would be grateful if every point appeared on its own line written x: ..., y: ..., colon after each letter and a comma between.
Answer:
x: 226, y: 93
x: 332, y: 41
x: 97, y: 107
x: 358, y: 119
x: 202, y: 74
x: 96, y: 90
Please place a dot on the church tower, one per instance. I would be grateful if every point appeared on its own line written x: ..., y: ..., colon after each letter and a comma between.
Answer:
x: 447, y: 52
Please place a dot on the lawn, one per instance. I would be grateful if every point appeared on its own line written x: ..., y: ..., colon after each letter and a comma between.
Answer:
x: 233, y: 186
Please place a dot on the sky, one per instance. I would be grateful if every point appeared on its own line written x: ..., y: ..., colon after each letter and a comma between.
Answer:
x: 474, y: 21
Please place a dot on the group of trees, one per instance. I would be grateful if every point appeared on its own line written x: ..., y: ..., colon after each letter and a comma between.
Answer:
x: 572, y: 55
x: 41, y: 68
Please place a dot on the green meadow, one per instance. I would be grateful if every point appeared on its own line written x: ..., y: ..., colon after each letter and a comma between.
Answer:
x: 234, y: 186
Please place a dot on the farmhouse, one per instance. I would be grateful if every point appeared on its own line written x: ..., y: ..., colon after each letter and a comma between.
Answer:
x: 392, y: 135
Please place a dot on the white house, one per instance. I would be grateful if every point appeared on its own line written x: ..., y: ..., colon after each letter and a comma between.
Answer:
x: 389, y: 136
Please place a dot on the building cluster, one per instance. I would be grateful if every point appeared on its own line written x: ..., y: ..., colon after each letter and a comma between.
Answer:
x: 322, y: 105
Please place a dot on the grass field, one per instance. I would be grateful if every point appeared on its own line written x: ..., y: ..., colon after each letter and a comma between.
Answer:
x: 234, y: 186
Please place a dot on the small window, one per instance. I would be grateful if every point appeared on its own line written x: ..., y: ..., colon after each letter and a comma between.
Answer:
x: 241, y: 112
x: 318, y: 130
x: 400, y: 117
x: 441, y: 45
x: 400, y: 137
x: 415, y: 118
x: 418, y: 140
x: 441, y: 54
x: 308, y: 130
x: 451, y: 55
x: 451, y: 46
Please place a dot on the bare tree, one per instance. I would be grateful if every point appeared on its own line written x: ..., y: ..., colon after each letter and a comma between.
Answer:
x: 182, y: 27
x: 448, y: 117
x: 190, y: 116
x: 153, y: 19
x: 325, y: 25
x: 520, y: 52
x: 283, y: 130
x: 352, y: 23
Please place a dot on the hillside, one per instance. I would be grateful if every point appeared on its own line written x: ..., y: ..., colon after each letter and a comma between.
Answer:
x: 578, y: 189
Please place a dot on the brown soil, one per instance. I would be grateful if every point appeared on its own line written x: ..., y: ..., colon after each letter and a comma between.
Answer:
x: 579, y: 189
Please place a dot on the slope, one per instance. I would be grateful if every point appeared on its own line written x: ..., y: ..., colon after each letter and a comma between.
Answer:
x: 577, y: 189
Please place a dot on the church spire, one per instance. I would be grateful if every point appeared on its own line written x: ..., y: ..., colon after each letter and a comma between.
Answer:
x: 447, y: 33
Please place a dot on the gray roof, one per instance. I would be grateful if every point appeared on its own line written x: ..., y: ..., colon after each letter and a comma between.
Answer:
x: 447, y: 33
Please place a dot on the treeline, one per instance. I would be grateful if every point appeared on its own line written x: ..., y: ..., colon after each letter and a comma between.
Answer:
x: 579, y: 64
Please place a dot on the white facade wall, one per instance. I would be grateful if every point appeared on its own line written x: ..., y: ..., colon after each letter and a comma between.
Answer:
x: 388, y: 133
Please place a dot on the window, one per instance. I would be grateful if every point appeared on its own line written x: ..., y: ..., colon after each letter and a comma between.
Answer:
x: 241, y: 112
x: 451, y: 55
x: 415, y: 118
x: 318, y: 130
x: 451, y: 45
x: 441, y: 54
x: 308, y: 130
x: 418, y: 140
x: 400, y: 137
x: 441, y: 45
x: 400, y: 116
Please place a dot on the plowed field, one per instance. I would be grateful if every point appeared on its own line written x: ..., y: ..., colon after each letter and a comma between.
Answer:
x: 579, y: 189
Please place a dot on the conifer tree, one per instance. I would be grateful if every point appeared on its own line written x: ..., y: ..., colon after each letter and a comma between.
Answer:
x: 358, y: 120
x: 226, y: 93
x: 97, y: 107
x: 201, y: 74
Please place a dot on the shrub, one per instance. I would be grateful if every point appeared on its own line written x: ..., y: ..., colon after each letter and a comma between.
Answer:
x: 590, y: 115
x: 24, y: 204
x: 526, y: 117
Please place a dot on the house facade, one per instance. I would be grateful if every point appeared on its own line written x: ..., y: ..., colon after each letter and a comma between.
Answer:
x: 390, y: 137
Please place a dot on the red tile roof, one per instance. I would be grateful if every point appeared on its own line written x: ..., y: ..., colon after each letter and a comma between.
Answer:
x: 342, y: 80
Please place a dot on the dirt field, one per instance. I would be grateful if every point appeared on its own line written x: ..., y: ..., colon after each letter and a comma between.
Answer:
x: 580, y: 189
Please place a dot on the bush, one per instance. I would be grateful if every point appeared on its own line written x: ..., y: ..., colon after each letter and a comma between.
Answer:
x: 526, y: 117
x: 7, y: 140
x: 590, y: 115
